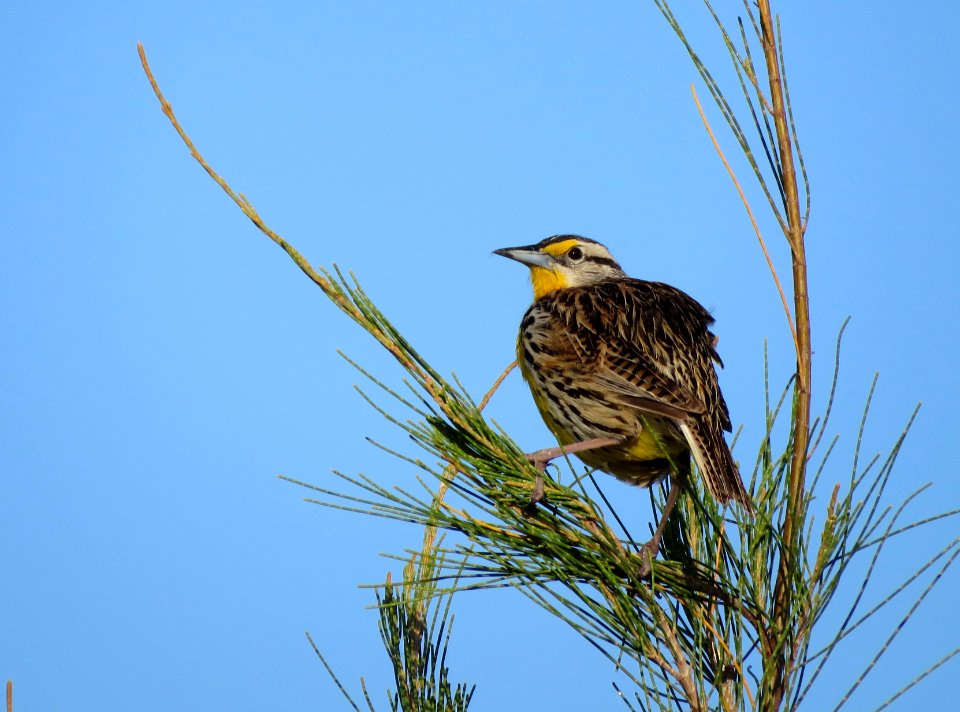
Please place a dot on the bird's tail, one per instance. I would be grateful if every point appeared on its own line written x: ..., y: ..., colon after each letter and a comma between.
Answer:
x: 715, y: 462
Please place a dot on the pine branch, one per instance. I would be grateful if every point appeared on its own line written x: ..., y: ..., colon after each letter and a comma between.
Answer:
x: 725, y: 619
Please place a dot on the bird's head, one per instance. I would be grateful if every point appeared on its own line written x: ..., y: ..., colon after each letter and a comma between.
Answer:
x: 564, y: 261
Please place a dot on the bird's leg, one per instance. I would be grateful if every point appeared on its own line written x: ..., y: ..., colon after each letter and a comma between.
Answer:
x: 648, y: 552
x: 541, y: 458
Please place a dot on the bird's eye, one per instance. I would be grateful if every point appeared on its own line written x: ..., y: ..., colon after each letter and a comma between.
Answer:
x: 575, y: 254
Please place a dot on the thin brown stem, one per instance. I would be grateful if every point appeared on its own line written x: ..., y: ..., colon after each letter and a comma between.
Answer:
x: 496, y: 384
x: 733, y: 658
x: 753, y: 221
x: 789, y: 555
x: 682, y: 673
x: 247, y: 207
x: 430, y: 532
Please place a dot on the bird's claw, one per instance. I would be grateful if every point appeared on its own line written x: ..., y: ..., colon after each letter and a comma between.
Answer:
x: 648, y: 553
x: 538, y: 489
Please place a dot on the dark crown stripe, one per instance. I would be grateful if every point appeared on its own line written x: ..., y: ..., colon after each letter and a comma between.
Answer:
x: 563, y: 238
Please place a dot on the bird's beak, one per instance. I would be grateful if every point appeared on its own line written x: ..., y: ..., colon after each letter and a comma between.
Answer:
x: 527, y: 255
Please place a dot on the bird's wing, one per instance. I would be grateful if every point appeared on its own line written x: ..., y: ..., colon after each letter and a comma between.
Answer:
x: 646, y: 344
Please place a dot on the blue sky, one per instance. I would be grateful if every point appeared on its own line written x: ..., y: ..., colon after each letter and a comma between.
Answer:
x: 163, y: 362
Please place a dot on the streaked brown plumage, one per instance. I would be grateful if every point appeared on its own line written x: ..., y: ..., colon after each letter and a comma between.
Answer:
x: 607, y: 356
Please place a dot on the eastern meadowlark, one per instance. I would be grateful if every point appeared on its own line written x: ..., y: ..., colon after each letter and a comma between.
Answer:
x: 622, y: 371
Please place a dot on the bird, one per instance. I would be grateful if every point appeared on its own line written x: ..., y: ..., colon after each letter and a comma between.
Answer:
x: 622, y: 372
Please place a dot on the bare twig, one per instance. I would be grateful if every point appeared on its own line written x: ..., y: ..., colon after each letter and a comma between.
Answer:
x: 790, y: 553
x: 682, y: 673
x: 753, y: 221
x: 495, y: 386
x: 430, y: 531
x: 317, y: 277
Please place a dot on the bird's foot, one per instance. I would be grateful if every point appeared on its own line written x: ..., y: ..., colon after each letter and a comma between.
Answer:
x: 648, y: 552
x: 541, y: 458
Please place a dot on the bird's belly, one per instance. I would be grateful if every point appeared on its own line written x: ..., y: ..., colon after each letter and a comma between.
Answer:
x: 649, y: 442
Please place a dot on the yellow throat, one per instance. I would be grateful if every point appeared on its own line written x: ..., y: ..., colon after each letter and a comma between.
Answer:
x: 547, y: 280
